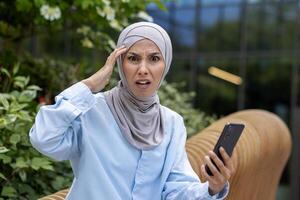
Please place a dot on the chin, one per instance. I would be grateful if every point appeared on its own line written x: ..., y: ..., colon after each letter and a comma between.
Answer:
x: 142, y: 94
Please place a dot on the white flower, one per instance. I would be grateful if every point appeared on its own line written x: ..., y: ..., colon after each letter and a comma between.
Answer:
x: 100, y: 12
x: 86, y: 42
x: 83, y: 30
x: 124, y: 22
x: 145, y: 16
x: 50, y: 13
x: 108, y: 11
x: 106, y: 2
x: 115, y: 24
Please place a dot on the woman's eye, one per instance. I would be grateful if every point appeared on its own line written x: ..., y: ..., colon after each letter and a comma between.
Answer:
x: 132, y: 58
x: 155, y: 58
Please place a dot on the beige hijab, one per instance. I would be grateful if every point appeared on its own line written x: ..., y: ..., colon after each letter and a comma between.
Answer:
x: 140, y: 119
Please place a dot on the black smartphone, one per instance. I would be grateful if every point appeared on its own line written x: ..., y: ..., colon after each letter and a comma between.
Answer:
x: 228, y: 139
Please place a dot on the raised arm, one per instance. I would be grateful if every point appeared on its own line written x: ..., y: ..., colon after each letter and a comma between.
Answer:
x: 57, y: 128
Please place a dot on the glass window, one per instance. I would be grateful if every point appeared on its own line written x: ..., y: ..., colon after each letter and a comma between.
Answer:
x: 209, y: 16
x: 185, y: 16
x: 215, y: 94
x: 232, y: 13
x: 183, y: 38
x: 214, y: 2
x: 180, y: 70
x: 180, y: 3
x: 160, y: 17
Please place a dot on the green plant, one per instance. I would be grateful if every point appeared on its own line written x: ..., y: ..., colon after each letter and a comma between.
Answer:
x: 195, y: 120
x: 18, y: 160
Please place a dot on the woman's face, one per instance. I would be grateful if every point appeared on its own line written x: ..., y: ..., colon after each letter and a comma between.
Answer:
x: 143, y: 67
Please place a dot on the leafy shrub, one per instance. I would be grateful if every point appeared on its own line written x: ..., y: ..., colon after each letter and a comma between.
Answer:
x: 171, y: 96
x: 19, y: 162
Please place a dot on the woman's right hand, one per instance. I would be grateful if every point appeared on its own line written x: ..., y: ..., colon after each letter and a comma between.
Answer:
x: 101, y: 78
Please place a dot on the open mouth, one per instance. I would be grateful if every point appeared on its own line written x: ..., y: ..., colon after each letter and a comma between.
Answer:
x: 143, y: 82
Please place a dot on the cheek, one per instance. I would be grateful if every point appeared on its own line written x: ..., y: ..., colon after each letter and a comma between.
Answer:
x: 127, y: 69
x: 159, y: 71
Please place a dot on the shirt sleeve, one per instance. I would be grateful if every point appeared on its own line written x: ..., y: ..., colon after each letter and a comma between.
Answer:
x: 56, y: 132
x: 183, y: 182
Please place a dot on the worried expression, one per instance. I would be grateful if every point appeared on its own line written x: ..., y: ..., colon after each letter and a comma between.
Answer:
x: 143, y: 67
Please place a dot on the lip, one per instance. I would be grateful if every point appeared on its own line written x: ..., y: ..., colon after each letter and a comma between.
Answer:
x: 143, y: 81
x: 143, y: 86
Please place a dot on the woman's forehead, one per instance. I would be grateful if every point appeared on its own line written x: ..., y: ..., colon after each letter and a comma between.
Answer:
x: 144, y: 46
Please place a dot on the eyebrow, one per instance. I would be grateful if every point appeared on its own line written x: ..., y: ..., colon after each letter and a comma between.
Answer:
x: 152, y: 53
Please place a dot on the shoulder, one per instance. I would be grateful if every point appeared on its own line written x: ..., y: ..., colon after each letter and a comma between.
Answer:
x: 172, y: 118
x: 169, y: 113
x: 175, y: 125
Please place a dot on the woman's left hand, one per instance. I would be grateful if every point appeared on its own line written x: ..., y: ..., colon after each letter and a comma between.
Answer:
x: 219, y: 178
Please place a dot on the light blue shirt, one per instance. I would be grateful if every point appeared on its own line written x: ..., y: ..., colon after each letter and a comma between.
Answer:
x: 81, y: 128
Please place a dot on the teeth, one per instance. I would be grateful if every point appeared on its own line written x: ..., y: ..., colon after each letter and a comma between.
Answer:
x: 142, y: 82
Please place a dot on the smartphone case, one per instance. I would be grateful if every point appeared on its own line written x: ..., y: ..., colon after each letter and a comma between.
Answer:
x: 228, y: 139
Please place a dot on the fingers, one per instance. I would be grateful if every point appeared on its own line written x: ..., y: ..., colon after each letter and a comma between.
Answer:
x: 208, y: 177
x: 226, y: 168
x: 211, y: 166
x: 111, y: 60
x: 227, y: 160
x: 219, y: 178
x: 223, y: 169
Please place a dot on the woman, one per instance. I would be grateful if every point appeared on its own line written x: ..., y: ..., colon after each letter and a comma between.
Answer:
x: 122, y: 143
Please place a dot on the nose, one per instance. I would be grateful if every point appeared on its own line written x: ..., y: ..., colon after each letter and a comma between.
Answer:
x: 143, y: 70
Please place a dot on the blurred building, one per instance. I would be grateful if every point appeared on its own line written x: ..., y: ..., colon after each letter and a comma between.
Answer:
x: 239, y: 54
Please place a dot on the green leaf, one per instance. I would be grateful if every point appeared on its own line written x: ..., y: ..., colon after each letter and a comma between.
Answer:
x: 23, y: 5
x: 2, y: 176
x: 5, y: 159
x: 43, y: 163
x: 34, y: 87
x: 21, y: 81
x: 10, y: 118
x: 27, y: 95
x: 58, y: 183
x: 3, y: 149
x: 4, y: 102
x: 8, y: 191
x: 14, y: 107
x: 23, y: 175
x: 16, y: 68
x: 15, y: 138
x: 21, y: 163
x: 4, y: 71
x: 24, y: 115
x: 39, y: 3
x: 86, y: 3
x: 3, y: 122
x: 160, y: 5
x: 25, y: 188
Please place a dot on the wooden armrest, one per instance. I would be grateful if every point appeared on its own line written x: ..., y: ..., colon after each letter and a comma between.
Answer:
x: 60, y: 195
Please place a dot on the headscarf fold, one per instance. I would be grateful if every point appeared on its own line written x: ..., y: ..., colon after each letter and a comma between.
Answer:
x: 140, y: 119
